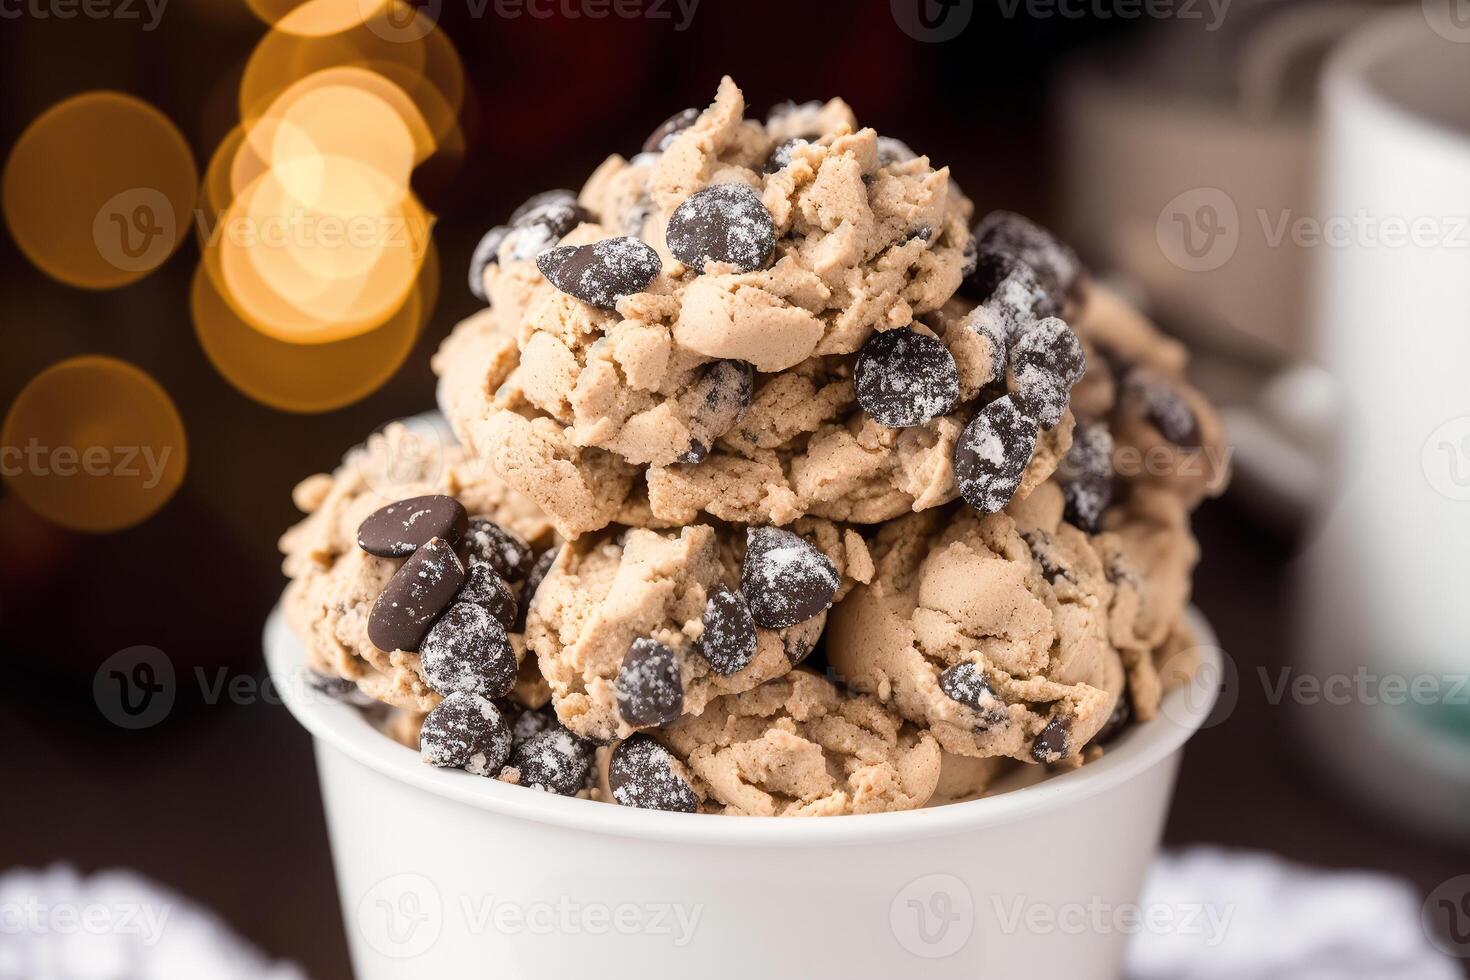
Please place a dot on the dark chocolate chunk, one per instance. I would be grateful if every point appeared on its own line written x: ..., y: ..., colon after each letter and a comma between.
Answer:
x: 991, y: 455
x: 484, y: 587
x: 660, y: 138
x: 554, y: 761
x: 968, y: 684
x: 486, y: 254
x: 797, y: 648
x: 528, y: 722
x: 486, y: 541
x: 601, y: 273
x: 729, y: 639
x: 1054, y: 742
x: 414, y: 597
x: 724, y: 223
x: 543, y: 221
x: 536, y: 204
x: 337, y: 689
x: 1011, y: 290
x: 1117, y: 721
x: 1055, y: 264
x: 400, y: 529
x: 1044, y: 365
x: 642, y: 773
x: 1086, y: 475
x: 971, y: 256
x: 780, y: 157
x: 533, y: 582
x: 1043, y: 549
x: 785, y: 578
x: 1165, y: 409
x: 891, y: 151
x: 905, y: 378
x: 650, y: 690
x: 468, y: 650
x: 716, y: 403
x: 466, y: 732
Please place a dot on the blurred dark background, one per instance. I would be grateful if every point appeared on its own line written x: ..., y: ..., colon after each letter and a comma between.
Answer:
x: 219, y: 801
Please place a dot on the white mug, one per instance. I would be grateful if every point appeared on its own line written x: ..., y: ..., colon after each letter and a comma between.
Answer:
x: 1386, y: 581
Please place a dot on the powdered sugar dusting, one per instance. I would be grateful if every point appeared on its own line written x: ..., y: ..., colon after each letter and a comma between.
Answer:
x: 785, y: 579
x: 723, y: 223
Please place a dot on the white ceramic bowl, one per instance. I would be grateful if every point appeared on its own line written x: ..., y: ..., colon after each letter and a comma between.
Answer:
x: 448, y: 876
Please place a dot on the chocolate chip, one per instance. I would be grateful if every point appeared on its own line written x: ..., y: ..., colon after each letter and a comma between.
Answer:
x: 486, y: 254
x: 641, y: 773
x: 543, y: 221
x: 991, y: 455
x: 465, y: 732
x: 601, y: 273
x: 1011, y: 290
x: 891, y: 151
x: 1116, y: 723
x: 729, y: 639
x: 468, y: 650
x: 1053, y: 744
x: 1044, y: 365
x: 533, y: 582
x: 554, y: 761
x: 1086, y: 475
x: 971, y: 258
x: 725, y: 223
x: 400, y: 529
x: 983, y: 322
x: 717, y: 402
x: 486, y: 541
x: 1055, y: 264
x: 660, y: 138
x: 785, y: 578
x: 1165, y: 409
x: 797, y: 649
x: 780, y: 157
x: 905, y: 378
x: 416, y: 594
x: 529, y: 722
x: 1043, y: 549
x: 968, y: 684
x: 649, y: 688
x: 484, y: 587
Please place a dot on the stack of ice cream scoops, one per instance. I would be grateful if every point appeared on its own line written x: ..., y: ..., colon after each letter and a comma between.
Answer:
x: 784, y: 487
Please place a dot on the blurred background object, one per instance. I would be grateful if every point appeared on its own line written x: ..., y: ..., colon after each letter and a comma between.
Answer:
x: 1095, y: 117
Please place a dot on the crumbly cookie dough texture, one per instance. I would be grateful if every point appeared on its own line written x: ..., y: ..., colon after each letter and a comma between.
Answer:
x: 586, y: 409
x: 334, y: 583
x: 795, y: 746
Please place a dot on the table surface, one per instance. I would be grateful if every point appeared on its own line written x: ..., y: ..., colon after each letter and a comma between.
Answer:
x: 222, y: 805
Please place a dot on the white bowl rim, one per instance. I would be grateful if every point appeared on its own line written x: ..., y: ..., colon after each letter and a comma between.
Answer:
x: 346, y: 730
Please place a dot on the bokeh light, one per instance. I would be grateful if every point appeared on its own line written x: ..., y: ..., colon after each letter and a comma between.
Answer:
x: 93, y: 444
x: 99, y: 190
